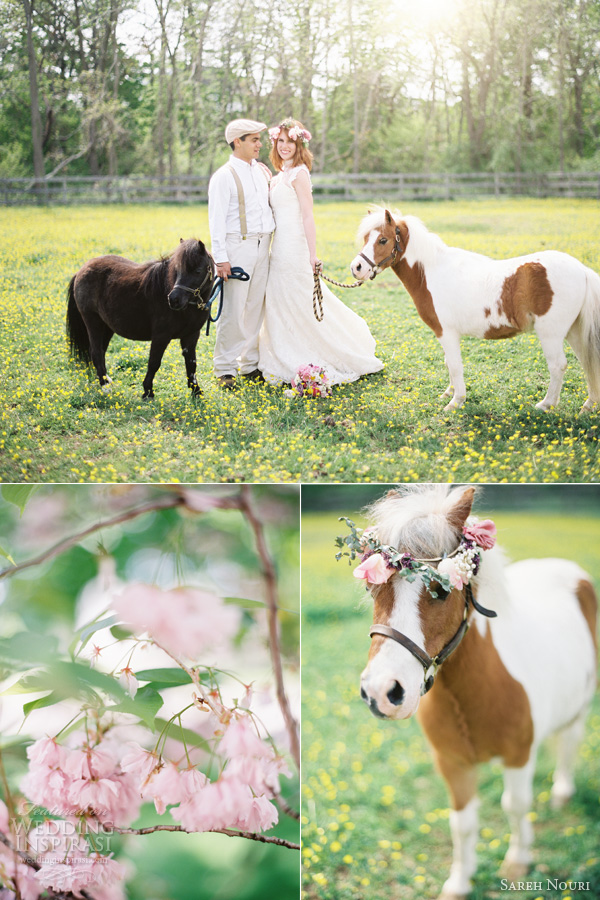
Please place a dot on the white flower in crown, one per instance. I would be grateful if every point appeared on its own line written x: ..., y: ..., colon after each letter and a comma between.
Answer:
x: 274, y: 133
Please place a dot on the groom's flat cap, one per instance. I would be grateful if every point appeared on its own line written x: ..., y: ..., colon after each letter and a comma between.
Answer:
x: 239, y: 127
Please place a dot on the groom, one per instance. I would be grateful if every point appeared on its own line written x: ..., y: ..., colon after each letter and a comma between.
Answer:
x: 241, y: 224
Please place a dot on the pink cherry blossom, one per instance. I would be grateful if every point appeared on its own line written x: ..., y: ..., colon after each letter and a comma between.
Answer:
x: 186, y: 621
x: 374, y: 569
x: 129, y: 682
x: 447, y: 567
x: 241, y: 739
x: 4, y: 824
x: 260, y: 816
x: 483, y: 533
x: 139, y: 761
x: 165, y: 786
x: 46, y: 752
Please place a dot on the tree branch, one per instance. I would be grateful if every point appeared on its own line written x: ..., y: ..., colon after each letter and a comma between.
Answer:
x: 250, y: 835
x: 270, y: 578
x: 186, y: 498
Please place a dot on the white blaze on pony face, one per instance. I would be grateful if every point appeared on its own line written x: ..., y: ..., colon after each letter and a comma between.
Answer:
x: 392, y: 681
x: 359, y: 266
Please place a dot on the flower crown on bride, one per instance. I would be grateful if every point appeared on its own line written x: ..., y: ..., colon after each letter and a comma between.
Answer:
x: 294, y: 132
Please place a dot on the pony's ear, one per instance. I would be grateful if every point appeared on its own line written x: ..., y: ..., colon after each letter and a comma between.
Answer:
x: 459, y: 513
x: 201, y: 246
x: 389, y: 219
x: 181, y: 240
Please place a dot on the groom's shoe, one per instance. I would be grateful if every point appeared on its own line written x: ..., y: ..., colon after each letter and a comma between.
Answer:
x: 256, y: 375
x: 227, y: 382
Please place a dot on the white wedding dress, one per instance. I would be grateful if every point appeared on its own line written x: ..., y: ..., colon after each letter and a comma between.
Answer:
x: 290, y: 335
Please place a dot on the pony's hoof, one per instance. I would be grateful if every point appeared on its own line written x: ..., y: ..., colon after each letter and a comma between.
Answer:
x: 107, y: 386
x: 588, y: 406
x: 454, y: 404
x: 149, y: 396
x: 197, y: 392
x: 447, y: 393
x: 545, y: 407
x: 513, y: 870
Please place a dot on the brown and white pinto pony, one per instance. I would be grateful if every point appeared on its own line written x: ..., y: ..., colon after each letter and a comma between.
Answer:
x: 512, y: 681
x: 457, y: 293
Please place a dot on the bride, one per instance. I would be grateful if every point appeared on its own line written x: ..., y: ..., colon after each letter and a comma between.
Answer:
x: 291, y: 336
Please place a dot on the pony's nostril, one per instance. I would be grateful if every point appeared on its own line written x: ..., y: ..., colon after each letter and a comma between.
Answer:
x: 363, y: 695
x: 396, y: 694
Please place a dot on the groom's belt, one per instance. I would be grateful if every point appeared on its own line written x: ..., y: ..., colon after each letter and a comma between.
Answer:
x: 257, y: 236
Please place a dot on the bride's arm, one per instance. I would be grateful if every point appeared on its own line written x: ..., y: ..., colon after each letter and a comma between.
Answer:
x: 301, y: 185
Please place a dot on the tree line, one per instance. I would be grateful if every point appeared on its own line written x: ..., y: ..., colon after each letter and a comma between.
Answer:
x: 146, y: 86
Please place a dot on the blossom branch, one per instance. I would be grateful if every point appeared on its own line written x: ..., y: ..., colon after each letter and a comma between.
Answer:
x: 190, y: 500
x: 68, y: 542
x: 250, y: 835
x: 270, y: 578
x: 34, y: 864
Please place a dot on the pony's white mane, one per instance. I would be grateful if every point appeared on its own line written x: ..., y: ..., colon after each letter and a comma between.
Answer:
x: 423, y: 245
x: 414, y: 518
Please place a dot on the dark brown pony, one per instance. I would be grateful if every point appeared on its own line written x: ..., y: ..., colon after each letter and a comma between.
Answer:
x: 155, y: 301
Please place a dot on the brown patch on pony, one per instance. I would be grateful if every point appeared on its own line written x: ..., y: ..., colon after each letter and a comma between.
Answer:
x: 497, y: 332
x: 414, y: 280
x: 487, y: 312
x: 476, y: 710
x: 525, y: 294
x: 588, y: 602
x: 383, y: 605
x: 461, y: 779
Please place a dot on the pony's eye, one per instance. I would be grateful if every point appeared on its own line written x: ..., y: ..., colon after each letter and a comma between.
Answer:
x: 383, y: 240
x: 439, y: 591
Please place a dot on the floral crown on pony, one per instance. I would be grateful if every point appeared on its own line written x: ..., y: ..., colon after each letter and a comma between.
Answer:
x: 294, y: 132
x: 380, y: 561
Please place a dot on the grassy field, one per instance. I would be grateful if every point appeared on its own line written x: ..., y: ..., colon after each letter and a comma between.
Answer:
x: 375, y: 813
x: 56, y: 424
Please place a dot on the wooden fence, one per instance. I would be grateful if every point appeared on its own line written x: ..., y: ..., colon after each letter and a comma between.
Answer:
x: 393, y: 188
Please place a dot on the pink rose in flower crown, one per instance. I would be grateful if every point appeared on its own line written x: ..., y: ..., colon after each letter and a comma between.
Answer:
x: 483, y: 533
x: 448, y: 567
x: 374, y: 569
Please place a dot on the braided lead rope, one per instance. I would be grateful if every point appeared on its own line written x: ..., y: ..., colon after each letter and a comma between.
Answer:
x: 318, y: 292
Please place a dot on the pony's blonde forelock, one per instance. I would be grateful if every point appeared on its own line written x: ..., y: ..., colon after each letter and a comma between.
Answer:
x: 375, y: 218
x: 414, y: 518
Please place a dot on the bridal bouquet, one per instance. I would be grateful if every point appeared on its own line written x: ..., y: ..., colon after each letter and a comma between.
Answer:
x: 310, y: 381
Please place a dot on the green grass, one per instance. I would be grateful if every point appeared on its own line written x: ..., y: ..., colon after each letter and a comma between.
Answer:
x: 375, y: 813
x: 56, y: 424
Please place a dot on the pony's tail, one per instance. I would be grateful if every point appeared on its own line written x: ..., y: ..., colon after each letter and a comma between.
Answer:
x: 589, y: 321
x: 79, y: 342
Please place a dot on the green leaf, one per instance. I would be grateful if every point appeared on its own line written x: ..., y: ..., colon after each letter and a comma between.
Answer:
x: 69, y: 679
x: 120, y: 633
x: 89, y: 630
x: 18, y: 494
x: 4, y: 553
x: 28, y: 648
x: 167, y: 677
x: 175, y: 731
x: 245, y: 604
x: 144, y: 705
x: 41, y: 702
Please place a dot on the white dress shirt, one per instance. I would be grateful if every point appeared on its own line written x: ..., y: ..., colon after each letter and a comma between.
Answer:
x: 224, y: 209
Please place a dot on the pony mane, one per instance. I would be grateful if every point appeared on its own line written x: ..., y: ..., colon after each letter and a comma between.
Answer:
x: 423, y: 245
x: 156, y: 276
x: 414, y: 518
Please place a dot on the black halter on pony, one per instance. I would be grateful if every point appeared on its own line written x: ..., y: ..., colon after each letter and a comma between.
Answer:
x: 377, y: 267
x: 432, y: 663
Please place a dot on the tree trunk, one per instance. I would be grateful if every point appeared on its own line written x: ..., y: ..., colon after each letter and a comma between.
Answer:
x: 36, y: 122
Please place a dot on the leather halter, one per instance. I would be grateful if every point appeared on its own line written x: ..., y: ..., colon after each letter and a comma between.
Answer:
x: 378, y: 267
x: 196, y: 293
x: 432, y: 663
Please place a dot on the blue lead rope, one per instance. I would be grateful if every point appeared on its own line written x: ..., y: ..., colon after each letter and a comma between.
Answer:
x: 217, y: 291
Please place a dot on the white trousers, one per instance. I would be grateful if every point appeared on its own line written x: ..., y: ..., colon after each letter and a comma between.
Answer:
x: 236, y: 345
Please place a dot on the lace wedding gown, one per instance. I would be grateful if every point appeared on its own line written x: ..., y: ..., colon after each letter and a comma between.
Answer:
x: 291, y: 336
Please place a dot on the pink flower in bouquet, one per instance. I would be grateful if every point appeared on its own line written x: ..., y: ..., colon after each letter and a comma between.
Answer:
x: 374, y: 569
x: 483, y: 533
x: 311, y: 381
x: 186, y: 621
